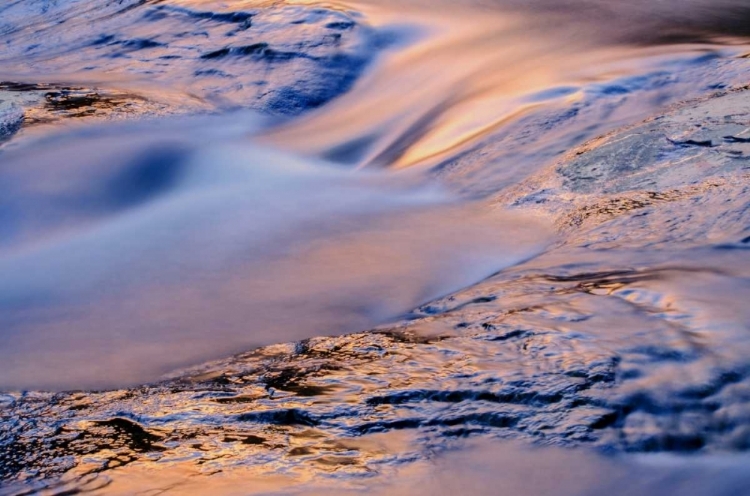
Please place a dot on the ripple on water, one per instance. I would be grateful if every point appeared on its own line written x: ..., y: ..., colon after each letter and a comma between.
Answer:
x: 119, y: 59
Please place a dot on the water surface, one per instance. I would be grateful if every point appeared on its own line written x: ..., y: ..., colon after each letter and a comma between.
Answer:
x: 540, y: 207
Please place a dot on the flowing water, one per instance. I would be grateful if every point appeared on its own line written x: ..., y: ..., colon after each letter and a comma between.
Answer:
x: 392, y: 247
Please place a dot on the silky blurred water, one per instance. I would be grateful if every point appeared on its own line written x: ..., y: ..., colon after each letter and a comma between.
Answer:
x: 539, y: 208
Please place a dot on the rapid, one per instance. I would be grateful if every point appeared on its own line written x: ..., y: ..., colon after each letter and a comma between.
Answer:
x: 275, y: 247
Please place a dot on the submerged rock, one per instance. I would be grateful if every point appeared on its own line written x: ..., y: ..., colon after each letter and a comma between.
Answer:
x: 683, y: 147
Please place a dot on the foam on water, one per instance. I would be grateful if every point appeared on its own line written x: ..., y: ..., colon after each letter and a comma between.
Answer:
x: 11, y: 118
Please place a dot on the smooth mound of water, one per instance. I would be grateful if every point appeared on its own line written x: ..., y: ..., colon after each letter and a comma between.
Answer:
x: 174, y: 253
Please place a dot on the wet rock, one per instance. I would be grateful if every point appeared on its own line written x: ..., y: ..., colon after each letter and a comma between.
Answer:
x: 685, y: 146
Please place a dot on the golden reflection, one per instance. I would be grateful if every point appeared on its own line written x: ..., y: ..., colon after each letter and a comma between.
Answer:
x: 461, y: 80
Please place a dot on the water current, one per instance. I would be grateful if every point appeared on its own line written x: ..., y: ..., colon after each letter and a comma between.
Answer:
x: 488, y: 246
